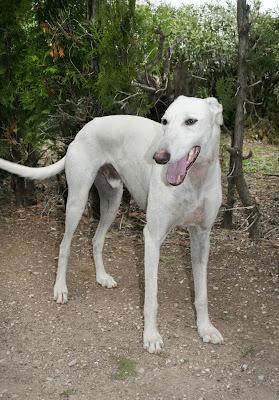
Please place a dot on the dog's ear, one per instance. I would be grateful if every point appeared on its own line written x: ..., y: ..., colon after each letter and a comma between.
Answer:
x: 216, y: 108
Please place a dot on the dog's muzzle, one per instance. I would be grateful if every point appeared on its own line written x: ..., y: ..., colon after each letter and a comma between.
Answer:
x: 162, y: 156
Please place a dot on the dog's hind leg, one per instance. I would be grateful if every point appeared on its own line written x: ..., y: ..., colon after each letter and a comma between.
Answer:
x: 110, y: 198
x: 199, y: 252
x: 80, y: 177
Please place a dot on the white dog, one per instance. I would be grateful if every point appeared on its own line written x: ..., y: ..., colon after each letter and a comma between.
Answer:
x: 181, y: 187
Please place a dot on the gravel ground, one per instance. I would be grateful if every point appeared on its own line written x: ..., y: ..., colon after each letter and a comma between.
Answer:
x: 91, y: 348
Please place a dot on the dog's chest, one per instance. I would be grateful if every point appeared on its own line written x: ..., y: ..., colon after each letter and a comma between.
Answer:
x: 191, y: 209
x: 195, y: 217
x: 191, y: 216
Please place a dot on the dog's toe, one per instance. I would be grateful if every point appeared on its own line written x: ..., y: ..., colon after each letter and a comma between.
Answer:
x: 153, y: 342
x: 106, y: 281
x: 60, y: 294
x: 210, y: 334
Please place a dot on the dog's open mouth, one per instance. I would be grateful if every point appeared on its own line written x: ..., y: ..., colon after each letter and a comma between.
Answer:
x: 177, y: 171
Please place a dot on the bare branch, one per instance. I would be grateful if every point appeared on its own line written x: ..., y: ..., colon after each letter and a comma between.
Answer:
x: 145, y: 87
x: 255, y: 83
x: 238, y: 208
x: 199, y: 77
x: 249, y: 155
x: 232, y: 150
x: 252, y: 102
x: 159, y: 55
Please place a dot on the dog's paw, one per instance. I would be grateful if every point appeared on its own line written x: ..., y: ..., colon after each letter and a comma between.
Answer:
x: 60, y: 294
x: 152, y: 342
x: 210, y: 334
x: 106, y: 281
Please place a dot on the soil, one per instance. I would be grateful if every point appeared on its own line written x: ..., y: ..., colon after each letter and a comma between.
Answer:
x: 49, y: 351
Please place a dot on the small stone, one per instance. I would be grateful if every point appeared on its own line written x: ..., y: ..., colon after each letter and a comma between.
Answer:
x: 215, y: 288
x: 244, y: 367
x: 261, y: 378
x: 141, y: 371
x: 72, y: 363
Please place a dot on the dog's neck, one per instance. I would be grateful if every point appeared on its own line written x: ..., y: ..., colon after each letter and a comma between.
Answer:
x: 203, y: 168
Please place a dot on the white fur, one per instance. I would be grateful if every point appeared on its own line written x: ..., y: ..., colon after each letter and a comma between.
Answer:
x: 128, y: 143
x: 33, y: 173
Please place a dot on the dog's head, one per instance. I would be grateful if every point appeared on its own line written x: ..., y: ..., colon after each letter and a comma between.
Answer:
x: 191, y: 134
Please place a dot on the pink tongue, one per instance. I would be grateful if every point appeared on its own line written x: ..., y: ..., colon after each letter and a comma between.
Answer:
x: 176, y: 172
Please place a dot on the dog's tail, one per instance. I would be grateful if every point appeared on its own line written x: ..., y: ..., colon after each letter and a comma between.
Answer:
x: 33, y: 173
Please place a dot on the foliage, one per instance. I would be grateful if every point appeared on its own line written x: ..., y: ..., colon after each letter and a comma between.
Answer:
x: 24, y: 68
x: 59, y: 68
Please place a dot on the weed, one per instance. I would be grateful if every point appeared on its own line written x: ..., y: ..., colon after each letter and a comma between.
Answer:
x: 264, y: 160
x: 125, y: 368
x: 248, y: 351
x: 67, y: 393
x: 163, y: 355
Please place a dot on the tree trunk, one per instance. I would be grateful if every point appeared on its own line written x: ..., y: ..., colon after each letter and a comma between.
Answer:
x: 24, y: 191
x: 236, y: 179
x: 182, y: 79
x: 94, y: 203
x: 92, y: 8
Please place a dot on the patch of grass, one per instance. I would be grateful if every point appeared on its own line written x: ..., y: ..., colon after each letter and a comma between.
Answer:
x: 248, y: 351
x: 126, y: 368
x: 169, y: 258
x: 263, y: 161
x: 162, y: 354
x: 67, y: 393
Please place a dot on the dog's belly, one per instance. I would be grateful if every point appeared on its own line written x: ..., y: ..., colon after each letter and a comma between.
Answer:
x: 136, y: 187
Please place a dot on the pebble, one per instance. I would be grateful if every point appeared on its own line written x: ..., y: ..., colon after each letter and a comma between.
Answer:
x: 244, y: 367
x: 72, y: 363
x: 261, y: 378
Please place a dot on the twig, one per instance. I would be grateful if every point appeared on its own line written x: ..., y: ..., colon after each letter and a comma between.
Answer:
x: 255, y: 83
x: 254, y: 103
x: 251, y: 224
x: 230, y: 174
x: 271, y: 175
x: 121, y: 221
x: 199, y: 77
x: 238, y: 208
x: 76, y: 68
x: 249, y: 155
x: 267, y: 233
x: 145, y: 87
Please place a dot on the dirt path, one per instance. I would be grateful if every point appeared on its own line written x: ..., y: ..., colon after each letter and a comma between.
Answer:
x: 91, y: 348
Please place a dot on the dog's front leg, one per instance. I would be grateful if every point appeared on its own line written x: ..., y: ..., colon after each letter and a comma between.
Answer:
x: 199, y: 252
x: 152, y: 340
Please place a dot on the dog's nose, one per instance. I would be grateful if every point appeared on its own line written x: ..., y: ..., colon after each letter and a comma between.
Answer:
x: 162, y: 156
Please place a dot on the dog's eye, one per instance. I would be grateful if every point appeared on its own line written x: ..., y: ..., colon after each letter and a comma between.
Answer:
x: 190, y: 121
x: 164, y: 121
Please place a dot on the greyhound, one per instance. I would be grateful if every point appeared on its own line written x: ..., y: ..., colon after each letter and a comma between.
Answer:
x: 171, y: 169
